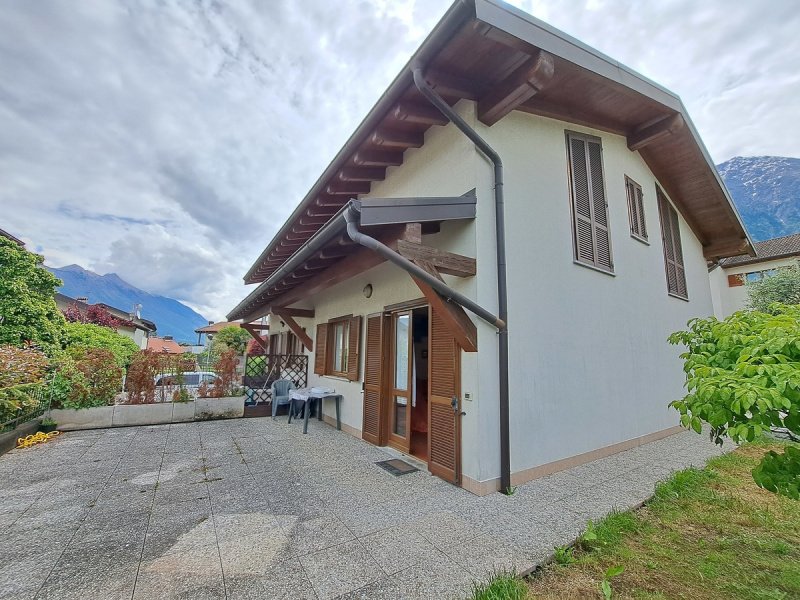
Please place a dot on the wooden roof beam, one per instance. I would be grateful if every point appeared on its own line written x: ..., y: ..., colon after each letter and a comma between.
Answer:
x: 378, y: 158
x: 396, y: 138
x: 648, y: 133
x: 523, y: 84
x: 302, y: 313
x: 295, y: 327
x: 445, y: 262
x: 362, y: 174
x: 725, y: 248
x: 348, y: 188
x: 412, y: 112
x: 447, y: 84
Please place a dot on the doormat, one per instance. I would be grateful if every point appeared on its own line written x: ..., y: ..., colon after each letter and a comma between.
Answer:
x: 396, y: 466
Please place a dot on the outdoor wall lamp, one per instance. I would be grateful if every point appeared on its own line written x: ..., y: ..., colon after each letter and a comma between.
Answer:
x: 367, y: 290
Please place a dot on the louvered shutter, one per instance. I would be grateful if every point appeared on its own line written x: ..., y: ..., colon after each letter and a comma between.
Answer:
x: 444, y: 439
x: 636, y: 208
x: 321, y: 349
x: 353, y: 346
x: 592, y: 237
x: 373, y: 365
x: 673, y: 251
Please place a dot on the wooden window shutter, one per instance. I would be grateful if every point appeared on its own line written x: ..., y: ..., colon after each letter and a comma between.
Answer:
x: 444, y: 432
x: 373, y: 365
x: 321, y: 349
x: 353, y: 346
x: 636, y: 208
x: 673, y: 251
x: 735, y: 280
x: 592, y: 237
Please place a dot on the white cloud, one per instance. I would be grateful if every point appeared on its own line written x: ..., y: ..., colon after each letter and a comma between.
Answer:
x: 168, y: 142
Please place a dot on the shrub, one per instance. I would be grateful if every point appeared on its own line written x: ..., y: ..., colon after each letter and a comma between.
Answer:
x: 22, y: 372
x: 88, y: 335
x: 94, y: 314
x: 232, y: 337
x: 141, y: 383
x: 782, y: 286
x: 86, y: 377
x: 743, y: 378
x: 226, y: 382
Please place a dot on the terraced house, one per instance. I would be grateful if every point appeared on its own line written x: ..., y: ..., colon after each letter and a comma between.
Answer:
x: 489, y: 268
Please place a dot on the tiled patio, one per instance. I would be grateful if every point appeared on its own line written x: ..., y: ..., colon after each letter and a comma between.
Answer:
x: 252, y: 508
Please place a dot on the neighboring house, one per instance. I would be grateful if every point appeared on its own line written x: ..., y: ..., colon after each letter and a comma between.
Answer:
x: 730, y: 276
x: 206, y: 334
x: 133, y: 325
x: 503, y: 322
x: 166, y: 345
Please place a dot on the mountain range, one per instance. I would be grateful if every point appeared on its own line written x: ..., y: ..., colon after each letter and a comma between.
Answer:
x: 170, y: 316
x: 766, y: 190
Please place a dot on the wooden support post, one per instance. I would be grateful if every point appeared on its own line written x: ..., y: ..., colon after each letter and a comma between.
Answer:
x: 251, y: 329
x: 454, y: 316
x: 295, y: 327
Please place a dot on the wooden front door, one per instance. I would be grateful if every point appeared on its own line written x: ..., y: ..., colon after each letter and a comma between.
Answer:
x: 444, y: 401
x: 374, y: 359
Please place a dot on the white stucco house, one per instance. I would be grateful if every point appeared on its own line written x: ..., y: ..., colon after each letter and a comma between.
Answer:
x: 489, y: 268
x: 729, y: 277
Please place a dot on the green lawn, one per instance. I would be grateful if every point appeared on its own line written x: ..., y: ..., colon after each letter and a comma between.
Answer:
x: 706, y: 534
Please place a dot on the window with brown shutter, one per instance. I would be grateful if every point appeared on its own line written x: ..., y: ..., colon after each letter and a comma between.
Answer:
x: 591, y: 235
x: 320, y: 349
x: 353, y: 346
x: 636, y: 209
x: 673, y: 251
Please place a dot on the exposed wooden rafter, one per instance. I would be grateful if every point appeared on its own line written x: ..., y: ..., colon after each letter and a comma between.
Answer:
x: 302, y: 313
x: 651, y: 132
x: 362, y: 174
x: 724, y: 248
x: 378, y: 158
x: 523, y: 84
x: 454, y: 316
x: 445, y: 262
x: 348, y: 188
x: 397, y: 138
x: 451, y: 85
x: 412, y: 112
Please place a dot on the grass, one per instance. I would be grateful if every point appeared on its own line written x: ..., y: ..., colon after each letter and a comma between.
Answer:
x: 503, y: 586
x: 709, y: 534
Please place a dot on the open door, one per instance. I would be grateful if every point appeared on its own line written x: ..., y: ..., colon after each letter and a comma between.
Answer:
x: 373, y: 381
x: 444, y: 401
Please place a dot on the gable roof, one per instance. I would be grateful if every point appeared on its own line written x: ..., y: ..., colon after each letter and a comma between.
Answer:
x: 482, y: 46
x: 14, y: 239
x: 781, y: 247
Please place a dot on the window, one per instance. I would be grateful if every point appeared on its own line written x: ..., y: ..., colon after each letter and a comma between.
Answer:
x: 337, y: 352
x: 673, y: 252
x: 591, y: 235
x: 636, y: 209
x: 754, y: 276
x: 336, y: 348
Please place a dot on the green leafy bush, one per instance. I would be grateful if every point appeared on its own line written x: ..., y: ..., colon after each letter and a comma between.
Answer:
x: 782, y: 286
x: 22, y: 372
x: 743, y: 377
x: 86, y: 377
x: 780, y: 473
x: 88, y: 335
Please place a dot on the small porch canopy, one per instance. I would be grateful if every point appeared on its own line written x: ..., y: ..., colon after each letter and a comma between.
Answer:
x: 330, y: 256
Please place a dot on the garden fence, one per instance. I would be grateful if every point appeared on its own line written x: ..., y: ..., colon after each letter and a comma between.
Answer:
x: 42, y: 395
x: 261, y: 371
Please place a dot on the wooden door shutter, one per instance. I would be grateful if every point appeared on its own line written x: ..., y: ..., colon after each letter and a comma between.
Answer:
x: 591, y: 234
x: 321, y: 349
x: 373, y: 370
x: 444, y: 420
x: 353, y: 346
x: 673, y: 251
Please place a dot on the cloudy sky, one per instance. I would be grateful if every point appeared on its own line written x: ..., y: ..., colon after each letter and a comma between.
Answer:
x: 167, y: 141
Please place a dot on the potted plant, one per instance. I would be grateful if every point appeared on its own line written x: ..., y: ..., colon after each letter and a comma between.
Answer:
x: 47, y: 425
x: 223, y: 399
